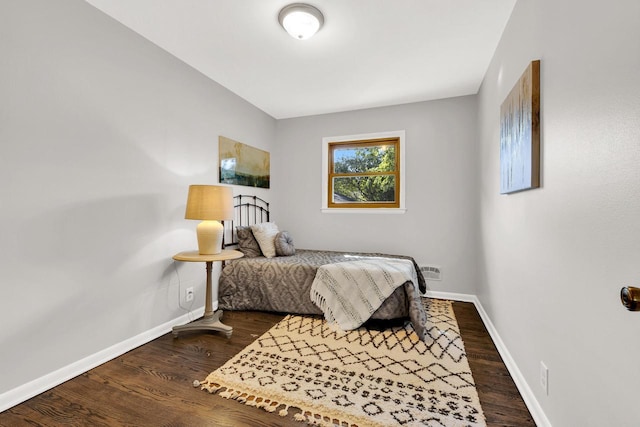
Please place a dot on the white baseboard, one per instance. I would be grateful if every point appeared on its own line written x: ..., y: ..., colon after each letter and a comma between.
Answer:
x: 451, y: 296
x: 523, y: 387
x: 46, y: 382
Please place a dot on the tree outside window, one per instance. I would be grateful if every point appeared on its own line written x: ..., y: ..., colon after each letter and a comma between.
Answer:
x: 364, y: 174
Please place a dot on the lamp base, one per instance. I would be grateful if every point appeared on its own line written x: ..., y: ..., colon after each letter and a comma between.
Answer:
x: 210, y: 237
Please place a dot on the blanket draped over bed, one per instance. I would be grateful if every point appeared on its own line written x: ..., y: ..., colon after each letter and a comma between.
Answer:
x: 283, y: 284
x: 348, y: 293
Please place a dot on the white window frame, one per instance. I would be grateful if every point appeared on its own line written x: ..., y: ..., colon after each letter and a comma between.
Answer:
x: 366, y: 136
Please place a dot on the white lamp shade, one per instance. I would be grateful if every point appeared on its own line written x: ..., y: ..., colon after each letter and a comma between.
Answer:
x: 301, y: 20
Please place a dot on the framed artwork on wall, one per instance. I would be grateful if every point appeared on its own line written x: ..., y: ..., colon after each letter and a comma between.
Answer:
x: 520, y: 134
x: 242, y: 164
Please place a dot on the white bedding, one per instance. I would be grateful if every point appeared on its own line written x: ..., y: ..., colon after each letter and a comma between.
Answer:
x: 348, y: 293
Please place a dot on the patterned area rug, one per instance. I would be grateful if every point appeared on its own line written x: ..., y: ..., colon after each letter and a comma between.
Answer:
x: 364, y: 377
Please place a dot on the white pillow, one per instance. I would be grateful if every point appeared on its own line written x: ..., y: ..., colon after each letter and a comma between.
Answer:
x: 265, y: 234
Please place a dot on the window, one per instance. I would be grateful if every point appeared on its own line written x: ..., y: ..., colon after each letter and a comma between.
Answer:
x: 364, y: 173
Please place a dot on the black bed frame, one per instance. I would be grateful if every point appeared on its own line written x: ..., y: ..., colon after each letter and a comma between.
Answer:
x: 248, y: 210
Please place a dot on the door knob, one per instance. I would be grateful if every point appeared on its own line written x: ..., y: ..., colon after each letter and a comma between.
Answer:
x: 630, y: 298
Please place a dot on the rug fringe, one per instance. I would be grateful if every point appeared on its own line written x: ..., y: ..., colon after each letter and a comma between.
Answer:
x: 211, y: 388
x: 271, y: 406
x: 284, y: 412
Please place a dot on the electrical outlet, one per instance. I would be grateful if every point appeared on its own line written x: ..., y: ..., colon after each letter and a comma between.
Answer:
x: 188, y: 294
x: 544, y: 378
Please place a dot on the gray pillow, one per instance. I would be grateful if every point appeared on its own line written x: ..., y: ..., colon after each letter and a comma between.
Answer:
x: 247, y: 243
x: 284, y: 244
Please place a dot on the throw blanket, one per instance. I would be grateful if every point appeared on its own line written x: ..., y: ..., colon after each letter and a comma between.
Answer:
x: 349, y: 292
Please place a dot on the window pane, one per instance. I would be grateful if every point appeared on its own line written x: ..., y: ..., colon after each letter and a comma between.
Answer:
x: 378, y: 158
x: 363, y: 189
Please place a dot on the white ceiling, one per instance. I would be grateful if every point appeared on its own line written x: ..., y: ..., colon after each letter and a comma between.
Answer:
x: 369, y: 53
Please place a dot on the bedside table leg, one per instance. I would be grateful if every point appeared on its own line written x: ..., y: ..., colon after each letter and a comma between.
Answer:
x: 207, y: 323
x: 211, y: 320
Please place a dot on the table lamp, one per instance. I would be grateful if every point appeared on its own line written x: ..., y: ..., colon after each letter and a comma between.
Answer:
x: 211, y: 204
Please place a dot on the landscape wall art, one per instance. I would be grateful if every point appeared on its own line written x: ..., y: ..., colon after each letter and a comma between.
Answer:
x: 241, y: 164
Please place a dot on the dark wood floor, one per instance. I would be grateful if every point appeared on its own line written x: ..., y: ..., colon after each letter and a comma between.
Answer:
x: 152, y: 385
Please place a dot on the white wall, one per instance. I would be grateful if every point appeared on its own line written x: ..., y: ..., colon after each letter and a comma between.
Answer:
x: 101, y: 133
x: 553, y: 259
x: 439, y: 226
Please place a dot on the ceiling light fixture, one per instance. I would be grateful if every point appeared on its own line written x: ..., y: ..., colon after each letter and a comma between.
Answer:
x: 301, y: 20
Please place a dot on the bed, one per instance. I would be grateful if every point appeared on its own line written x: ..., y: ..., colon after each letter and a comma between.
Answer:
x: 284, y: 283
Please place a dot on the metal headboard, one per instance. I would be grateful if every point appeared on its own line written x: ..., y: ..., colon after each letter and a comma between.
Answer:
x: 248, y: 210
